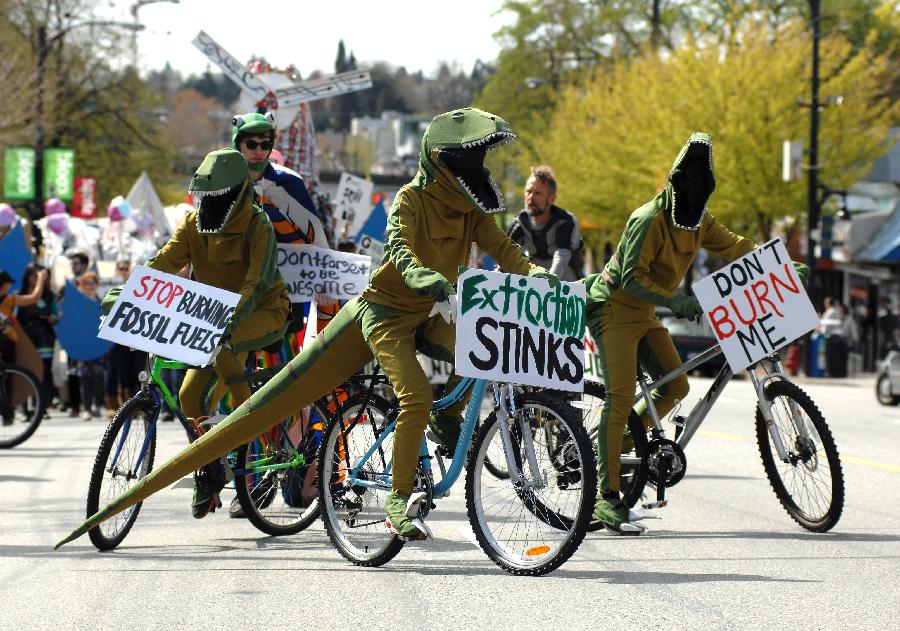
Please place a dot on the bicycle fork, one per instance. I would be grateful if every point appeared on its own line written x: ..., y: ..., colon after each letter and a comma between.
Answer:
x: 505, y: 404
x: 765, y: 406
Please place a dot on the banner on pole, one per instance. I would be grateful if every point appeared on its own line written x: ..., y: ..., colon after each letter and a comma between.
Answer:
x: 756, y: 305
x: 592, y: 357
x: 311, y: 271
x: 170, y: 316
x: 18, y: 173
x: 353, y: 202
x: 83, y: 204
x: 517, y: 329
x: 59, y: 174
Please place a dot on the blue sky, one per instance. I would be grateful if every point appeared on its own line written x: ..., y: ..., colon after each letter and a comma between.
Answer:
x: 415, y: 34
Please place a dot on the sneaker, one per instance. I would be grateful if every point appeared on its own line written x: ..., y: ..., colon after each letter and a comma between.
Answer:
x: 208, y: 481
x: 610, y: 510
x: 85, y: 416
x: 236, y: 511
x: 398, y: 521
x: 445, y: 429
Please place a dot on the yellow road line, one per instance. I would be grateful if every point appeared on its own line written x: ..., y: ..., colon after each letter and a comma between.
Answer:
x: 871, y: 463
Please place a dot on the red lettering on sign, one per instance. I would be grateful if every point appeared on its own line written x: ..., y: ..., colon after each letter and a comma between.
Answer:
x: 719, y: 322
x: 143, y: 282
x: 761, y: 291
x: 777, y: 281
x: 737, y: 311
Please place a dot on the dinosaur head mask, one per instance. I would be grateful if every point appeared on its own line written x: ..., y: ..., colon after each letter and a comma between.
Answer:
x: 219, y: 186
x: 691, y: 182
x: 453, y: 150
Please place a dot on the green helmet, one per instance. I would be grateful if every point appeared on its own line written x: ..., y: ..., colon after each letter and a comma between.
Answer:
x: 253, y: 124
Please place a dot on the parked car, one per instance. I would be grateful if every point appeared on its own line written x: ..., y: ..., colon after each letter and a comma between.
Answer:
x: 691, y: 339
x: 887, y: 388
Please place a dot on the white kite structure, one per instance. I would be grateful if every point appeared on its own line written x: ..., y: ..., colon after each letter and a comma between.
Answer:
x: 287, y: 98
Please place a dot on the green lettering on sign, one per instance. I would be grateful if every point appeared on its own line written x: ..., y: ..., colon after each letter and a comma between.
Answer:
x: 59, y: 174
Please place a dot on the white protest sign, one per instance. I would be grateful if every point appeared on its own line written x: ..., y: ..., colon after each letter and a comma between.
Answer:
x: 437, y: 371
x: 353, y: 202
x: 311, y: 271
x: 592, y: 357
x: 517, y: 329
x: 756, y: 305
x: 371, y: 247
x: 169, y: 316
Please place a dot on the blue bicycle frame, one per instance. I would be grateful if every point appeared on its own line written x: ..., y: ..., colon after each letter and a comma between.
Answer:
x: 473, y: 410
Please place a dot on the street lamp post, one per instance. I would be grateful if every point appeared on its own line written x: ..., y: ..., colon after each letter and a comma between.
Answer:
x: 812, y: 191
x: 44, y: 40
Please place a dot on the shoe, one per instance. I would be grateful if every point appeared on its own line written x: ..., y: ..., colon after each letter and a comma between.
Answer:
x: 398, y: 520
x: 85, y: 416
x: 208, y: 481
x: 236, y: 511
x: 610, y: 510
x: 445, y: 429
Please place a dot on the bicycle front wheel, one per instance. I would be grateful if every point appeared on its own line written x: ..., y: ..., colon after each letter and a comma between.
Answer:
x: 124, y: 458
x: 531, y: 523
x: 810, y: 483
x: 21, y: 405
x: 278, y: 497
x: 354, y: 514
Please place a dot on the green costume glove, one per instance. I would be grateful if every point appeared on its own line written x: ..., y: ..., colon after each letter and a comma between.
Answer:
x: 540, y: 272
x: 802, y: 271
x: 687, y: 307
x: 441, y: 288
x: 109, y: 299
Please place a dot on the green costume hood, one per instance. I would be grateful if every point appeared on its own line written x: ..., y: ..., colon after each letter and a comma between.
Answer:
x: 691, y: 182
x: 253, y: 124
x: 220, y: 185
x: 451, y: 159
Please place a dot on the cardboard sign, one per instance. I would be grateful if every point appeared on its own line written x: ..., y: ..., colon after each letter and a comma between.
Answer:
x: 517, y: 329
x: 83, y: 204
x: 170, y: 316
x: 353, y: 202
x: 756, y: 305
x: 311, y: 271
x: 370, y: 240
x: 437, y: 371
x: 592, y: 371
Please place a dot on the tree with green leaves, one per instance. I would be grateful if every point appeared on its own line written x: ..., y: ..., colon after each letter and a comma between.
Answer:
x: 612, y: 138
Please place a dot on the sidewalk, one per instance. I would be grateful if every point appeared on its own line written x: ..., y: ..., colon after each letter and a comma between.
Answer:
x: 861, y: 380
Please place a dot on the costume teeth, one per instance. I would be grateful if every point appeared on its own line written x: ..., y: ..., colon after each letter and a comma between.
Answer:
x: 478, y: 202
x: 494, y: 141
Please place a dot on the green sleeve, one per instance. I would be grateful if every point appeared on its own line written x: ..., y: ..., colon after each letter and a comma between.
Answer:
x: 176, y: 253
x: 719, y: 240
x: 640, y: 245
x: 491, y: 238
x: 398, y: 250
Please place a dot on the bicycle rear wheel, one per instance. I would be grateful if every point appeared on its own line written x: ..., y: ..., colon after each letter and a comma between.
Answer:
x: 810, y: 485
x: 353, y: 514
x: 125, y: 457
x: 21, y: 405
x: 281, y: 501
x: 532, y: 523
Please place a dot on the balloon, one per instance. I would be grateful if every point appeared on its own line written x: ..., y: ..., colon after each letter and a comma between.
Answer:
x: 118, y: 209
x: 7, y: 215
x: 58, y: 223
x: 54, y: 206
x: 276, y: 157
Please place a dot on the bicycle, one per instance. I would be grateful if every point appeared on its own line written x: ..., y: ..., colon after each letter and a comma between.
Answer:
x: 22, y: 405
x: 268, y: 471
x: 798, y: 452
x: 528, y: 524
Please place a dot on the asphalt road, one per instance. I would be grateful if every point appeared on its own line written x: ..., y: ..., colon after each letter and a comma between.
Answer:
x: 724, y: 556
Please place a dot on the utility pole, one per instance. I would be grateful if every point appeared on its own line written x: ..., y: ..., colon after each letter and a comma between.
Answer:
x: 812, y: 192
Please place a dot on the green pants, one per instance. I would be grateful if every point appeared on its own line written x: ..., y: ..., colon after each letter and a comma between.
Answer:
x: 625, y: 337
x: 202, y: 388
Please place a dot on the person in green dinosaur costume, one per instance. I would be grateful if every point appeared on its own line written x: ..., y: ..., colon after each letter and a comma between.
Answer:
x: 431, y: 227
x: 230, y: 244
x: 658, y: 246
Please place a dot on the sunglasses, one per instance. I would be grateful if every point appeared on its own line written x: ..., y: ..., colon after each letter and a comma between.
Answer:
x: 122, y: 269
x: 252, y: 145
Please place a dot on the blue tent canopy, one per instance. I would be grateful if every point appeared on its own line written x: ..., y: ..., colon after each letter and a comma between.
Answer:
x: 886, y: 244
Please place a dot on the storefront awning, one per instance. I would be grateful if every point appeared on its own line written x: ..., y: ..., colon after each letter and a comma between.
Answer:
x: 885, y: 246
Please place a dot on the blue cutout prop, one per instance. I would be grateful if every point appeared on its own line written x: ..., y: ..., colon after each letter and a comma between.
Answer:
x: 375, y: 225
x: 489, y: 263
x: 15, y: 255
x: 77, y: 328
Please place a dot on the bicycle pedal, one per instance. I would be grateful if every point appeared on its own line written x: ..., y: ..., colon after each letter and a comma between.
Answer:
x: 212, y: 420
x: 418, y: 523
x: 652, y: 505
x: 631, y: 529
